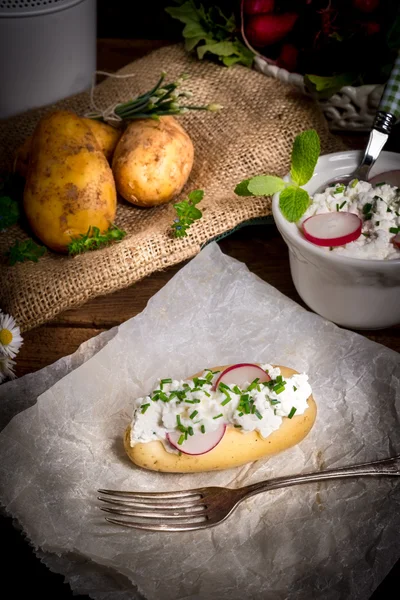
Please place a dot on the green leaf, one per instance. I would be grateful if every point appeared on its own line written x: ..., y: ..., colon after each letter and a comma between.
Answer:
x: 265, y: 185
x: 196, y: 196
x: 305, y: 153
x: 228, y: 61
x: 23, y: 251
x: 184, y: 13
x: 218, y: 48
x: 194, y: 29
x: 242, y: 188
x: 325, y: 87
x: 93, y: 239
x: 9, y: 212
x: 191, y: 43
x: 293, y: 202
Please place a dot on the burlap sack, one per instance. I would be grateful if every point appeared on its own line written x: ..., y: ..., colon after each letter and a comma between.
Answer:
x: 252, y: 134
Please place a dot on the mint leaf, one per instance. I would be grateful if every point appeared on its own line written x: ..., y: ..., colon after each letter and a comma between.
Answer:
x: 265, y: 185
x: 196, y: 196
x: 25, y: 250
x: 9, y: 212
x: 242, y: 188
x: 325, y: 87
x: 187, y: 213
x: 293, y: 202
x: 305, y: 153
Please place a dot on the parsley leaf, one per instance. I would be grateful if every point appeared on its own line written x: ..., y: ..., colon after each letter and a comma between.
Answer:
x: 93, y: 239
x: 23, y: 251
x: 305, y: 153
x: 293, y: 202
x: 187, y: 213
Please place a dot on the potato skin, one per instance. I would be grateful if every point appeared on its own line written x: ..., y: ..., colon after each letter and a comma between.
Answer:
x: 69, y: 185
x: 152, y: 161
x: 235, y: 448
x: 106, y: 136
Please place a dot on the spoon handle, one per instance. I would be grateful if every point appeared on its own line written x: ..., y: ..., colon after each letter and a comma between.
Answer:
x: 389, y: 107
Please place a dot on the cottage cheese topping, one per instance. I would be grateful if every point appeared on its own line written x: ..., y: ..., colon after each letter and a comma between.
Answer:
x: 194, y: 406
x: 377, y: 206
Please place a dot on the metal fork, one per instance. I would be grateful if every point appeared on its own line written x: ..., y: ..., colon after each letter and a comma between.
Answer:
x: 187, y: 510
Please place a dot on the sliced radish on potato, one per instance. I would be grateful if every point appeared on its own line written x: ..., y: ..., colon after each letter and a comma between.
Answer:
x: 332, y: 229
x: 240, y: 374
x: 396, y: 240
x: 200, y: 443
x: 390, y: 177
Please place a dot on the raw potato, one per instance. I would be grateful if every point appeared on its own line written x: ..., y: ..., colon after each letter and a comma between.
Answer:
x: 69, y: 185
x: 107, y: 138
x: 235, y: 448
x: 152, y: 161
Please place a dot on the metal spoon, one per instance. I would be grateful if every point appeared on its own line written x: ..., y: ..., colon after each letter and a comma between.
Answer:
x: 388, y: 113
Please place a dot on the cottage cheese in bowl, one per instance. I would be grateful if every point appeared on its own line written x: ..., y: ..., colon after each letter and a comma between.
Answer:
x: 377, y: 206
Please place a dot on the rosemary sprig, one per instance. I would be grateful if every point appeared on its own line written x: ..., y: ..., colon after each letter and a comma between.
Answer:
x: 23, y: 251
x: 187, y: 213
x: 93, y: 239
x: 158, y: 102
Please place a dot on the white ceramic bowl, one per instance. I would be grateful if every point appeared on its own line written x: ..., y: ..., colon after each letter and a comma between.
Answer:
x: 352, y: 292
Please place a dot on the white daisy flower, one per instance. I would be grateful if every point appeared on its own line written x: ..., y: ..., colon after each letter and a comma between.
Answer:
x: 6, y: 368
x: 10, y: 336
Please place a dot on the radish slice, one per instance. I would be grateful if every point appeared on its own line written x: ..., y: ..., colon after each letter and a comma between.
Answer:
x: 390, y: 177
x: 241, y: 374
x: 332, y: 229
x: 200, y: 443
x: 396, y: 240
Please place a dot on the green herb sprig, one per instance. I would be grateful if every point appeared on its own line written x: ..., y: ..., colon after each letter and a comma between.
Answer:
x: 187, y: 213
x: 211, y: 32
x: 24, y: 251
x: 11, y: 188
x: 93, y: 239
x: 162, y: 100
x: 293, y: 200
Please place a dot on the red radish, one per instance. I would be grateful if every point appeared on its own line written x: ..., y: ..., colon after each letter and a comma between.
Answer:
x: 265, y: 30
x: 256, y: 7
x: 332, y: 229
x: 200, y: 443
x: 371, y: 28
x: 396, y: 241
x: 287, y: 58
x: 241, y: 374
x: 390, y: 177
x: 366, y: 6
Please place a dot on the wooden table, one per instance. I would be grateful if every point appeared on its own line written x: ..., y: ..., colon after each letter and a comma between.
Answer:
x: 260, y: 247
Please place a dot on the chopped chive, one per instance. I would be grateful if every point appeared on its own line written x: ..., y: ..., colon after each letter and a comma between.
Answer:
x: 215, y: 372
x: 343, y: 203
x: 178, y: 420
x: 227, y: 399
x: 253, y: 384
x: 192, y: 401
x: 163, y: 397
x: 337, y: 207
x: 366, y: 234
x: 294, y: 388
x: 380, y: 184
x: 223, y: 386
x: 272, y: 402
x: 190, y: 430
x: 394, y: 229
x: 377, y: 223
x: 218, y: 416
x: 155, y: 397
x: 236, y: 390
x: 198, y: 382
x: 247, y: 409
x: 186, y: 386
x: 388, y: 210
x: 144, y: 407
x: 241, y: 414
x: 253, y: 409
x: 275, y: 411
x: 202, y: 429
x: 207, y: 394
x: 238, y: 426
x: 186, y: 435
x: 279, y: 379
x: 181, y: 439
x: 339, y: 189
x: 293, y: 410
x: 279, y: 388
x: 194, y: 413
x: 163, y: 381
x: 354, y: 183
x: 258, y: 414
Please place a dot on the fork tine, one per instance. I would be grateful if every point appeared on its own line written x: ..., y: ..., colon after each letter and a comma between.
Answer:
x: 163, y: 526
x: 150, y: 507
x: 153, y: 495
x: 154, y: 514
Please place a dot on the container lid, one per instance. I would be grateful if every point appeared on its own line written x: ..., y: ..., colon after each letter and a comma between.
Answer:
x: 32, y: 8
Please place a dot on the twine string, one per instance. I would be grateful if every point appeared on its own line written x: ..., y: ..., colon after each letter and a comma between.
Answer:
x: 108, y: 113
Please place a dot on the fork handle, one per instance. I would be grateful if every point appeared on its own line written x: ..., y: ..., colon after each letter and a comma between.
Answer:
x: 389, y: 466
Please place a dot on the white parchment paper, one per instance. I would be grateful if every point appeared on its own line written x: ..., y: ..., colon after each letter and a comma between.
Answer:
x: 332, y: 541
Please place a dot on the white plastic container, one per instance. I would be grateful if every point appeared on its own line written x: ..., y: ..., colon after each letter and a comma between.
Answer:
x: 352, y: 292
x: 47, y: 51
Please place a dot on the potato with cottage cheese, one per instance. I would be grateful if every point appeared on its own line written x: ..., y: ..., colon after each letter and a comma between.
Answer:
x: 219, y: 419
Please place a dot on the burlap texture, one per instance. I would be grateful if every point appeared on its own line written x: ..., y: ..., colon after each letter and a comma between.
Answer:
x: 252, y: 134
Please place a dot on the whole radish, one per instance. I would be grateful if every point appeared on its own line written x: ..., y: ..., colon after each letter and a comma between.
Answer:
x: 396, y: 241
x: 366, y: 6
x: 265, y: 30
x: 287, y: 58
x: 257, y: 7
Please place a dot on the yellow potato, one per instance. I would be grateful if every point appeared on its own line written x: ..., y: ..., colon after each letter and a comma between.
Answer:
x: 152, y: 161
x: 69, y: 185
x: 106, y: 137
x: 235, y: 448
